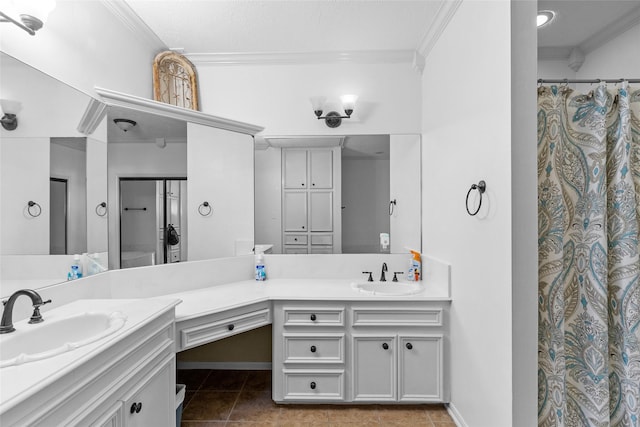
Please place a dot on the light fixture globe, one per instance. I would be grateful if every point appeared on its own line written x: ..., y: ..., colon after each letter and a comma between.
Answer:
x: 124, y: 124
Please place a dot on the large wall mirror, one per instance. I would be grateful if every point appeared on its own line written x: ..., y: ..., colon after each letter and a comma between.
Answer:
x: 338, y: 194
x: 53, y: 183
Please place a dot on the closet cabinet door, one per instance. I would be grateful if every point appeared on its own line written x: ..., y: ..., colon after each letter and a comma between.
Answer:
x: 153, y: 402
x: 321, y: 169
x: 321, y: 211
x: 420, y: 368
x: 295, y: 211
x: 295, y: 169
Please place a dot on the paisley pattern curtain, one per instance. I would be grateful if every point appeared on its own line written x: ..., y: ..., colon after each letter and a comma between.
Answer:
x: 588, y: 272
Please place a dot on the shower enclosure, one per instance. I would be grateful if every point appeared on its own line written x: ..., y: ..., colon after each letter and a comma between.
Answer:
x: 153, y: 221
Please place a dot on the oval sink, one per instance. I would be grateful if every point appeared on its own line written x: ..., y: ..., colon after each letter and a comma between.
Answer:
x: 388, y: 288
x: 50, y: 338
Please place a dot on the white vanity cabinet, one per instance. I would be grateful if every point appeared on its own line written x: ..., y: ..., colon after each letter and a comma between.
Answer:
x: 128, y: 383
x: 310, y: 200
x: 360, y: 351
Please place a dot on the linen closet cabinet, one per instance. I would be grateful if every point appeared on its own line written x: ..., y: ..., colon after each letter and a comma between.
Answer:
x: 311, y: 200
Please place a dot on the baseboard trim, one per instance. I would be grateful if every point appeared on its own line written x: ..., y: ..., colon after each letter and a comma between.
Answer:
x: 456, y: 416
x: 240, y: 366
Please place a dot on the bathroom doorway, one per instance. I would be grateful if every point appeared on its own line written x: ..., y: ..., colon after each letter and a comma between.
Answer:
x: 58, y: 216
x: 153, y: 221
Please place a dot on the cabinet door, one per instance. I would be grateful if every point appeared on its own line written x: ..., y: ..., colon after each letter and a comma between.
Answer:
x: 152, y: 403
x: 321, y: 169
x: 420, y: 368
x: 374, y: 368
x: 295, y: 169
x: 321, y: 210
x: 295, y: 211
x: 113, y: 417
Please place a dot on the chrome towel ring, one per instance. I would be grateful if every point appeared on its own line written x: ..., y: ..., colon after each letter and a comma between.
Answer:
x: 101, y: 209
x: 205, y: 209
x: 481, y: 187
x: 35, y: 207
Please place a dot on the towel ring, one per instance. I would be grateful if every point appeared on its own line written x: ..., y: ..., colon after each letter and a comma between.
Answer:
x: 481, y: 187
x: 31, y: 205
x: 102, y: 205
x: 205, y: 209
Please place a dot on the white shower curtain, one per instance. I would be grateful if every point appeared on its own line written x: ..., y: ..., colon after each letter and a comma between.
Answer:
x: 589, y: 267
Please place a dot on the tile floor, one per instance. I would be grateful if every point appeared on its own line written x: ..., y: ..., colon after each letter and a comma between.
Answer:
x: 243, y: 399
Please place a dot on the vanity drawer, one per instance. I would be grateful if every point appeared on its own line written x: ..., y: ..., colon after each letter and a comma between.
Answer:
x: 311, y: 316
x: 322, y: 239
x: 295, y: 239
x: 223, y: 327
x: 295, y: 250
x: 306, y: 348
x: 321, y: 249
x: 398, y: 317
x: 313, y: 385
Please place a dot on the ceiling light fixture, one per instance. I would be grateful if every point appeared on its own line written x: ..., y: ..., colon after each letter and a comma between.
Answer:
x: 334, y: 119
x: 32, y: 14
x: 545, y: 17
x: 124, y: 124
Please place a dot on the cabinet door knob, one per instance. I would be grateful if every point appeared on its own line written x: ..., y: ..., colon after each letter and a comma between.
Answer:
x: 303, y: 227
x: 295, y: 239
x: 231, y: 326
x: 385, y: 346
x: 312, y: 385
x: 313, y: 349
x: 409, y: 346
x: 303, y: 184
x: 314, y: 184
x: 136, y: 407
x: 312, y: 317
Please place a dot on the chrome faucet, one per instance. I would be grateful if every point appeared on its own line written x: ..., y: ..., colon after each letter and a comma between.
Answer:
x: 6, y: 325
x: 384, y: 269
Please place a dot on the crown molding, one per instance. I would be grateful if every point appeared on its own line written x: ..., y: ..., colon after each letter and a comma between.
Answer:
x: 147, y: 141
x: 121, y: 10
x: 443, y: 16
x: 136, y: 103
x: 612, y: 31
x: 93, y: 115
x: 276, y: 58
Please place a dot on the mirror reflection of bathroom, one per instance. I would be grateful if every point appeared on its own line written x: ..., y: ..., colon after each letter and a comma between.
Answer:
x: 153, y: 221
x: 68, y: 201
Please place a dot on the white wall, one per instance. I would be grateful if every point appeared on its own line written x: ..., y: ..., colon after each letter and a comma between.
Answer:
x: 97, y: 225
x: 277, y: 96
x: 618, y: 58
x: 467, y: 137
x: 365, y: 196
x: 71, y: 164
x: 139, y: 227
x: 220, y: 172
x: 268, y: 188
x: 85, y: 45
x: 136, y: 160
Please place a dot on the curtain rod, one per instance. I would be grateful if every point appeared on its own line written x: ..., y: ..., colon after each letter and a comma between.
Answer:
x: 588, y: 81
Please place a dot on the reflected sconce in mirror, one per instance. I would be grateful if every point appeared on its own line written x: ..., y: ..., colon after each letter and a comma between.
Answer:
x: 334, y: 119
x: 31, y: 15
x: 124, y: 124
x: 101, y: 209
x: 10, y: 110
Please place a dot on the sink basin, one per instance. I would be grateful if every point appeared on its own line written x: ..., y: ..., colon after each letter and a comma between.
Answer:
x: 388, y: 288
x: 50, y: 338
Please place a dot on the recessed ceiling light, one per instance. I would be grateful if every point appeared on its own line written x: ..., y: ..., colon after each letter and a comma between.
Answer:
x: 544, y: 17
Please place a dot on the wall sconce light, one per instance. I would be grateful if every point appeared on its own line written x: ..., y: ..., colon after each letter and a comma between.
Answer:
x: 334, y: 119
x: 10, y: 110
x: 33, y: 14
x: 124, y: 124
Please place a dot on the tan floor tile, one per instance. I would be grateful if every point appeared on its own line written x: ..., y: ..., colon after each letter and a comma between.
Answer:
x: 445, y: 424
x: 255, y: 406
x: 356, y: 424
x: 210, y: 406
x: 187, y: 398
x: 251, y: 424
x: 303, y: 414
x: 402, y: 415
x: 438, y: 414
x: 258, y: 381
x: 203, y: 424
x: 354, y: 414
x: 302, y: 424
x: 225, y: 380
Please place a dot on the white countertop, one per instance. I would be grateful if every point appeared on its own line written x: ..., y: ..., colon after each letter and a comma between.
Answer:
x: 218, y: 298
x: 20, y: 381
